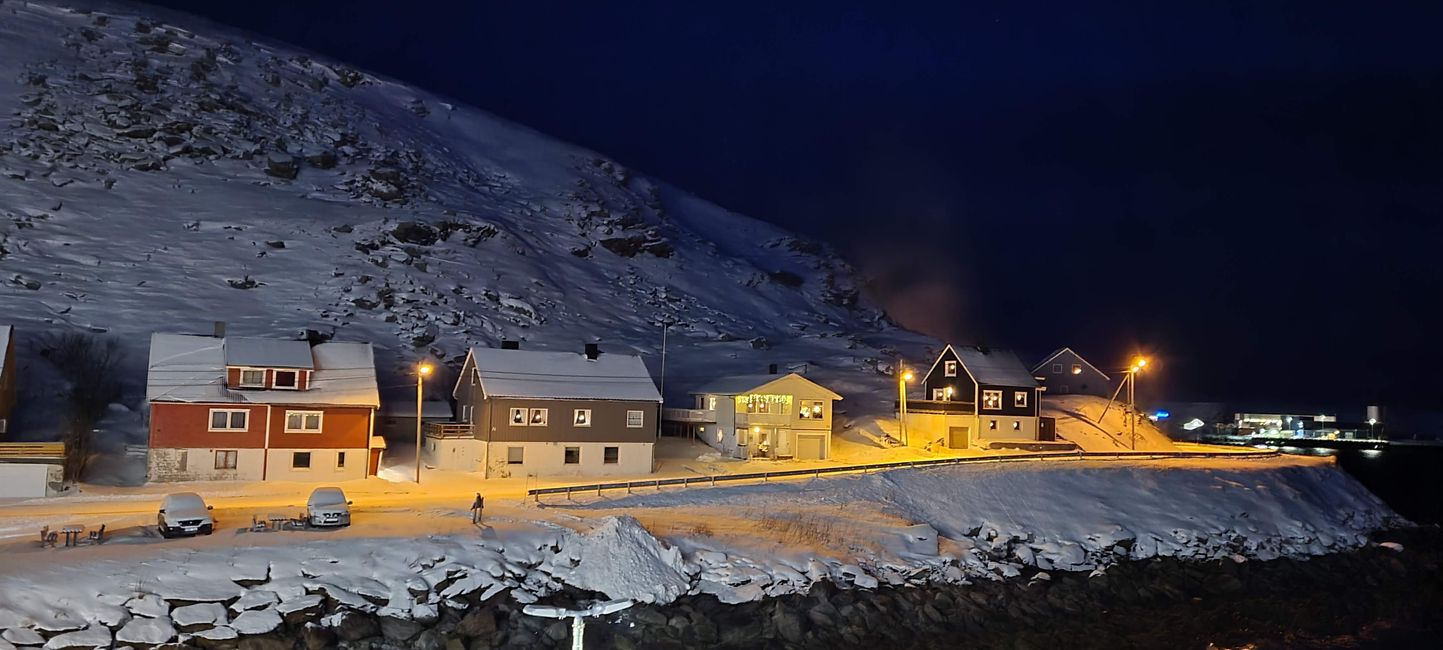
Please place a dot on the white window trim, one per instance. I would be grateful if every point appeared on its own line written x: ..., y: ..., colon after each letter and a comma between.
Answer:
x: 525, y: 417
x: 1019, y: 399
x: 564, y: 450
x: 242, y: 380
x: 949, y: 368
x: 998, y: 393
x: 939, y: 394
x: 1056, y: 368
x: 341, y: 461
x: 275, y: 375
x: 210, y: 420
x: 465, y: 412
x: 640, y: 419
x: 604, y: 461
x: 310, y: 461
x: 320, y: 421
x: 523, y: 456
x: 577, y: 416
x: 531, y: 417
x: 233, y: 454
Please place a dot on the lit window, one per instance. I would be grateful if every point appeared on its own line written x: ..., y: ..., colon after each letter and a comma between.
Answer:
x: 949, y: 368
x: 610, y: 455
x: 518, y: 417
x: 992, y: 425
x: 635, y: 419
x: 1016, y: 426
x: 301, y: 460
x: 226, y: 458
x: 515, y: 455
x: 992, y: 400
x: 538, y: 417
x: 285, y: 379
x: 303, y: 421
x: 939, y: 394
x: 811, y: 410
x: 711, y: 402
x: 1056, y: 368
x: 1076, y: 368
x: 583, y: 418
x: 573, y: 456
x: 253, y: 378
x: 228, y: 419
x: 1019, y: 399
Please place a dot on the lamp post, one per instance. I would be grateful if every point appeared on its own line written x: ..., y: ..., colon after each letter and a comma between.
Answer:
x: 1137, y: 367
x: 421, y: 372
x: 902, y: 380
x: 1372, y: 435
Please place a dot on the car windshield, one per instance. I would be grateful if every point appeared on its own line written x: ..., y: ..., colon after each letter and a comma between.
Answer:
x: 186, y: 502
x: 327, y: 497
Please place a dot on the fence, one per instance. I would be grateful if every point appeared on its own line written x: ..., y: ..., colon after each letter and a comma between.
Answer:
x: 32, y: 451
x: 713, y: 479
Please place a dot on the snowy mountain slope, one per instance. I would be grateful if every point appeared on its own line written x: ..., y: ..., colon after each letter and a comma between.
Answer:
x: 158, y: 173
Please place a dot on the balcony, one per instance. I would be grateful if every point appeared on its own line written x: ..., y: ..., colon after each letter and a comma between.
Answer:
x: 447, y: 429
x: 694, y: 416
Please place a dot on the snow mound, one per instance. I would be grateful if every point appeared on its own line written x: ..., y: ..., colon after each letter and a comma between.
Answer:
x: 146, y: 631
x: 621, y: 559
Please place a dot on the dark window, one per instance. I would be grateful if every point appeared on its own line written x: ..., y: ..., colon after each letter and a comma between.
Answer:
x: 226, y: 458
x: 301, y: 460
x: 573, y: 455
x: 609, y: 455
x: 285, y: 379
x: 340, y: 459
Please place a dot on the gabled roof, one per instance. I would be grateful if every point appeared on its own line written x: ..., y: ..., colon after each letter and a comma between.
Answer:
x: 742, y: 384
x: 1048, y: 359
x: 267, y: 353
x: 186, y: 368
x: 562, y: 375
x: 995, y: 367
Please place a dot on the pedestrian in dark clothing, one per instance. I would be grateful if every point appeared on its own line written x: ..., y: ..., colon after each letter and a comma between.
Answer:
x: 476, y: 507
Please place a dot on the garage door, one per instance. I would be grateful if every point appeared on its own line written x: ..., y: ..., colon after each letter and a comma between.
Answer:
x: 957, y: 437
x: 810, y: 447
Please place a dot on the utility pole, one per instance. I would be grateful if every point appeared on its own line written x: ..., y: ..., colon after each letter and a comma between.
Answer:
x: 903, y: 376
x: 421, y: 372
x: 664, y: 325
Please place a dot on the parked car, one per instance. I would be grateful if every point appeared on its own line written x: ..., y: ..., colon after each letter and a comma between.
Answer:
x: 328, y: 507
x: 184, y: 513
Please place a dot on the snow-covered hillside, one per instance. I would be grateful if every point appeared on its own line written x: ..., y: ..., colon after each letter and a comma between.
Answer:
x: 161, y: 173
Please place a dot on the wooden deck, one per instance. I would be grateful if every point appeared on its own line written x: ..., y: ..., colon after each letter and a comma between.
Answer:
x: 32, y: 451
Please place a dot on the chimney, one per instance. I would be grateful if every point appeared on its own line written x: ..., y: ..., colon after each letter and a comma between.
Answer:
x: 508, y: 344
x: 219, y: 329
x: 593, y: 351
x: 772, y: 369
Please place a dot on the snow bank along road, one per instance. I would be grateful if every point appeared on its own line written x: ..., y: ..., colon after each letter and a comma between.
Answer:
x: 740, y: 543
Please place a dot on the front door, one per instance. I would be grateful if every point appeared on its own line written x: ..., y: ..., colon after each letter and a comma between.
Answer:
x: 785, y: 443
x: 957, y: 437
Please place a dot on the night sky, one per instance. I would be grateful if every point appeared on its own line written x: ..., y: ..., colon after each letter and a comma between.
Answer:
x: 1250, y: 191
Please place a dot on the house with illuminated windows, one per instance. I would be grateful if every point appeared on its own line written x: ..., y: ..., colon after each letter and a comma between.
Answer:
x: 763, y: 416
x: 243, y: 408
x: 549, y: 413
x: 975, y: 397
x: 1065, y: 372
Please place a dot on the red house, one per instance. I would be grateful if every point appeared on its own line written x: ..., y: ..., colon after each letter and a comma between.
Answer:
x: 239, y: 408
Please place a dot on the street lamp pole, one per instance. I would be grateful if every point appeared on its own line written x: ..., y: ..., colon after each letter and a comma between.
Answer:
x: 902, y: 379
x: 421, y: 372
x: 1132, y: 395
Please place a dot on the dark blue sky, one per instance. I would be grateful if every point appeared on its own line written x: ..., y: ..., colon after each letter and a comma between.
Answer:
x: 1252, y: 190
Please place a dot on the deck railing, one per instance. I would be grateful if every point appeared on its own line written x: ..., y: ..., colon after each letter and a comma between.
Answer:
x: 447, y: 429
x: 32, y: 451
x: 709, y: 480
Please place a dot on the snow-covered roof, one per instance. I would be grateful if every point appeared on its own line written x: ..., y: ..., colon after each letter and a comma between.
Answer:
x: 187, y: 368
x: 563, y: 375
x: 1048, y: 359
x: 996, y: 367
x: 5, y: 331
x: 742, y: 384
x: 267, y: 353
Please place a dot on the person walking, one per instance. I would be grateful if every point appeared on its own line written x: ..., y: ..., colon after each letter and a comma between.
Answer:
x: 476, y: 507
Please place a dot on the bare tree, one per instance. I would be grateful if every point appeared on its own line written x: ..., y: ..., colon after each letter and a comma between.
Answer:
x: 88, y: 364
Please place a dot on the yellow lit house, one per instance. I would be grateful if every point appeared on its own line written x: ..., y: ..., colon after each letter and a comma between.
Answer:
x: 762, y: 416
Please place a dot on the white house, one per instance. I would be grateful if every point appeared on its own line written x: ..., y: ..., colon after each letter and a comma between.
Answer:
x: 762, y: 416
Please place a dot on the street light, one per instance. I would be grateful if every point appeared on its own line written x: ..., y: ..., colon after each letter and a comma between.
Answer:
x: 902, y: 380
x: 422, y: 371
x: 1137, y: 367
x: 1371, y: 434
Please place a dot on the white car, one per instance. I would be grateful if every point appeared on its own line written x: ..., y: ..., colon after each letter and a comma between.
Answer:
x: 328, y: 507
x: 184, y: 514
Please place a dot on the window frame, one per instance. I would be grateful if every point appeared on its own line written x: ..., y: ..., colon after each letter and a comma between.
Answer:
x: 340, y: 460
x: 1016, y: 425
x: 992, y: 424
x: 1019, y: 399
x: 1056, y: 368
x: 640, y: 419
x: 743, y: 434
x: 611, y: 455
x: 296, y: 456
x: 241, y: 381
x: 997, y: 405
x: 232, y: 457
x: 516, y: 458
x: 276, y: 379
x: 580, y: 420
x: 949, y: 368
x: 523, y: 421
x: 805, y: 410
x: 939, y: 394
x: 531, y: 417
x: 1076, y: 368
x: 210, y: 421
x: 320, y: 421
x: 567, y: 453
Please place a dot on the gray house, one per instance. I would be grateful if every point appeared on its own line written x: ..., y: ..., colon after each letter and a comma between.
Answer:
x: 533, y: 413
x: 1065, y: 372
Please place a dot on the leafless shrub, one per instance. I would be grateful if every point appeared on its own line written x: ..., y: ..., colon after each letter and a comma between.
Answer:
x: 88, y: 365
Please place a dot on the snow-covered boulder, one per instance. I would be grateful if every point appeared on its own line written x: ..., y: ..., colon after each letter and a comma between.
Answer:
x: 257, y: 621
x: 146, y: 631
x: 90, y: 637
x: 621, y: 559
x: 199, y: 614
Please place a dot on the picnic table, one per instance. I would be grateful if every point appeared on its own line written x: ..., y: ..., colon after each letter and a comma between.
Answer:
x: 72, y: 534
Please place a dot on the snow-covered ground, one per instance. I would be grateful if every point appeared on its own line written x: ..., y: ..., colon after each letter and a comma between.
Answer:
x: 741, y: 543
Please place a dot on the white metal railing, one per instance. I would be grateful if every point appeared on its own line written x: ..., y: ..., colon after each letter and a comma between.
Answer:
x: 688, y: 415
